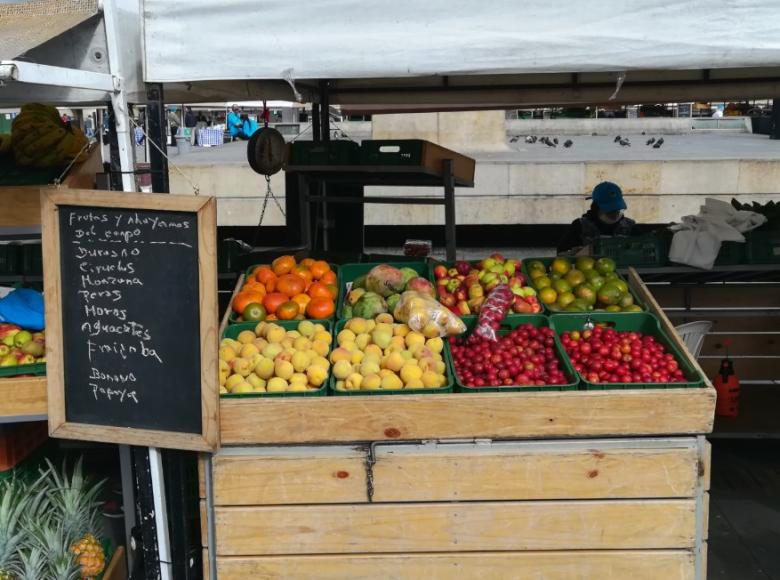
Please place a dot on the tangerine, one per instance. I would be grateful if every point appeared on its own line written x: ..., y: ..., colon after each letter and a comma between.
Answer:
x: 273, y: 300
x: 283, y: 265
x: 329, y: 277
x: 244, y: 298
x: 333, y: 289
x: 303, y: 272
x: 307, y: 262
x: 287, y: 310
x: 319, y: 269
x: 320, y: 308
x: 254, y: 286
x: 319, y: 290
x: 290, y: 284
x: 264, y: 274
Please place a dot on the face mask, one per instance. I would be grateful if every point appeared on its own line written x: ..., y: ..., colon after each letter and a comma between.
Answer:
x: 610, y: 220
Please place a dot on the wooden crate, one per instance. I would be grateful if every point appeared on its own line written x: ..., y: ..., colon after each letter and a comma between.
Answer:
x: 22, y: 398
x: 459, y: 510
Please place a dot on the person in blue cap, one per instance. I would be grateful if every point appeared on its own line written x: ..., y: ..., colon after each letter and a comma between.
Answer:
x: 604, y: 218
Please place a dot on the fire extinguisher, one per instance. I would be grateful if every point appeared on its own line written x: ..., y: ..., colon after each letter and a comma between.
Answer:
x: 727, y: 387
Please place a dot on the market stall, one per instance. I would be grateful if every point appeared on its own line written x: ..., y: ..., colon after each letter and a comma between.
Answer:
x: 461, y: 484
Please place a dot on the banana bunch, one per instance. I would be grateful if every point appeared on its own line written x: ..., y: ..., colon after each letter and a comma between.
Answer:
x: 39, y: 138
x: 5, y: 144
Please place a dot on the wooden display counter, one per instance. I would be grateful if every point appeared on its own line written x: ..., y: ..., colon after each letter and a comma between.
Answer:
x: 22, y: 399
x: 586, y: 484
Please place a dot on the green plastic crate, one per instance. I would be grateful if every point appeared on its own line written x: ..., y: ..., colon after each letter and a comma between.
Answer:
x: 233, y: 318
x: 551, y: 309
x: 763, y: 247
x: 510, y: 323
x: 731, y: 254
x: 648, y: 250
x: 642, y: 322
x: 234, y: 330
x: 35, y: 369
x: 324, y: 153
x: 445, y: 389
x: 349, y: 272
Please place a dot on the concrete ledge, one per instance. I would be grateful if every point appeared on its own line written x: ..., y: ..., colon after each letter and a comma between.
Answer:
x: 651, y: 126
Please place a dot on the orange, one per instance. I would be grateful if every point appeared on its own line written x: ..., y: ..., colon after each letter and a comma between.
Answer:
x: 319, y: 290
x: 319, y: 269
x: 271, y: 318
x: 303, y: 272
x: 290, y: 284
x: 333, y: 289
x: 302, y: 300
x: 283, y: 265
x: 320, y: 308
x: 254, y: 286
x: 287, y: 310
x: 329, y: 277
x: 264, y: 274
x: 273, y: 300
x: 307, y: 262
x: 242, y: 299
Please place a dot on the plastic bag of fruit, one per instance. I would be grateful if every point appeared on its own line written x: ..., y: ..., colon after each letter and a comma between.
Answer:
x: 494, y: 310
x: 424, y: 314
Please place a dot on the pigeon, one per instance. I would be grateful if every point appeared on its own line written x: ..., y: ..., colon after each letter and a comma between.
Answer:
x: 650, y: 141
x: 643, y: 132
x: 530, y: 139
x: 617, y: 139
x: 551, y: 144
x: 514, y: 139
x: 544, y: 140
x: 594, y: 134
x: 568, y: 143
x: 658, y: 143
x: 555, y: 140
x: 625, y: 143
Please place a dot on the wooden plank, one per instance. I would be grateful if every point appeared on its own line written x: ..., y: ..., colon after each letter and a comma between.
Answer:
x: 202, y: 476
x: 205, y: 564
x: 21, y: 206
x: 22, y: 396
x: 707, y: 466
x: 226, y: 317
x: 117, y: 568
x: 315, y: 476
x: 431, y: 527
x: 82, y: 176
x: 485, y: 415
x: 583, y: 565
x: 482, y: 474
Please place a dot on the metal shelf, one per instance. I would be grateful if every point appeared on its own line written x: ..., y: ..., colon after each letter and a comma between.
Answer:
x: 390, y: 175
x: 684, y: 275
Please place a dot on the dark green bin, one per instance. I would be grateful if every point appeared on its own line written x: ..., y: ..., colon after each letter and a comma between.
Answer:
x: 324, y: 153
x: 636, y: 251
x: 234, y: 330
x: 445, y: 389
x: 763, y: 247
x: 643, y: 322
x: 510, y: 323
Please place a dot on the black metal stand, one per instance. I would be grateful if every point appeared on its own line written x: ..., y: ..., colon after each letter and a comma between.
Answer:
x: 146, y: 567
x: 363, y: 175
x: 155, y: 119
x: 775, y: 131
x: 115, y: 167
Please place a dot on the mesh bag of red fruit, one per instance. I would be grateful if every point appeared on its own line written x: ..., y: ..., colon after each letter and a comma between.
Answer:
x: 493, y: 312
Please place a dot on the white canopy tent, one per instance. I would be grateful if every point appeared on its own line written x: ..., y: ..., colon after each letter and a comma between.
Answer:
x: 455, y: 53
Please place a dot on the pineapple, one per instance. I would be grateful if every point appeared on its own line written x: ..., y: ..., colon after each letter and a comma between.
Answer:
x: 32, y: 564
x: 13, y: 503
x: 47, y: 537
x: 77, y: 508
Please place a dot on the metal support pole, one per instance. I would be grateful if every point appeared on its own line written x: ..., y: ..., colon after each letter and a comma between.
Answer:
x: 315, y: 123
x: 305, y: 210
x: 160, y: 515
x: 775, y: 132
x: 155, y: 119
x: 324, y: 111
x: 128, y: 500
x: 449, y: 209
x: 145, y: 513
x: 115, y: 164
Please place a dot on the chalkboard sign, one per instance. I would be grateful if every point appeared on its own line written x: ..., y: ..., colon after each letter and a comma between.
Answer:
x: 131, y: 317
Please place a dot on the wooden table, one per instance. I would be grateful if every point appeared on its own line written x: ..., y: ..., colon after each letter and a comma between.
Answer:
x: 592, y: 484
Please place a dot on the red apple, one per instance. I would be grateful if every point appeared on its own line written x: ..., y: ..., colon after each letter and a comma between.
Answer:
x: 461, y: 295
x: 470, y: 280
x: 520, y: 306
x: 498, y: 257
x: 462, y: 267
x: 448, y: 300
x: 439, y: 272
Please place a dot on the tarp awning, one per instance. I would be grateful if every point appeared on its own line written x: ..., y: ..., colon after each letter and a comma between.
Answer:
x: 25, y: 25
x: 351, y: 39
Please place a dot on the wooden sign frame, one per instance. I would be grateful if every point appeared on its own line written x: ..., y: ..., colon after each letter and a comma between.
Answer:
x: 205, y: 208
